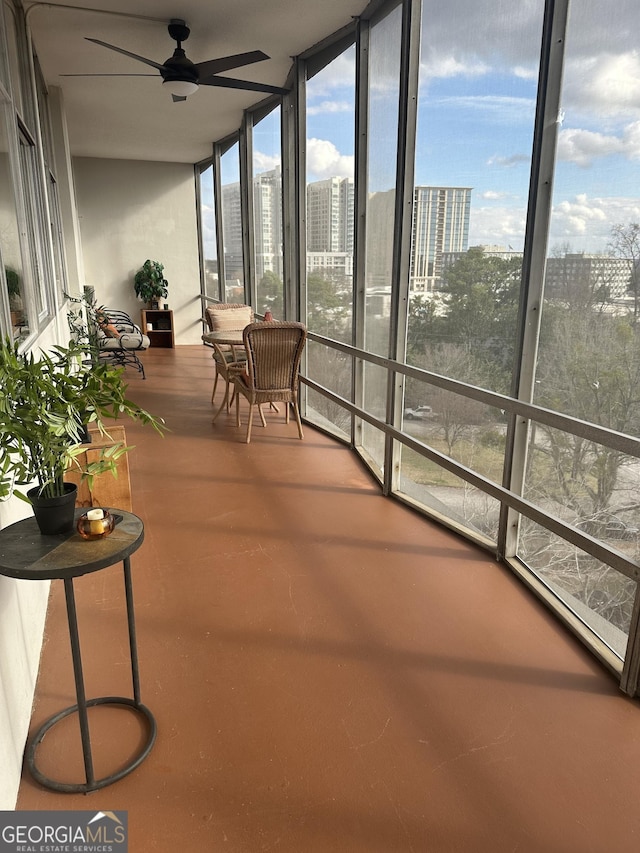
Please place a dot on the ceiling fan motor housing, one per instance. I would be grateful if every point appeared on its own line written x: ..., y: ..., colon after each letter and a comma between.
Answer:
x: 178, y: 67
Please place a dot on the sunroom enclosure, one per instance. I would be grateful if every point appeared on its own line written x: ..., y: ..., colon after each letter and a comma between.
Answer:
x: 447, y: 198
x: 521, y: 345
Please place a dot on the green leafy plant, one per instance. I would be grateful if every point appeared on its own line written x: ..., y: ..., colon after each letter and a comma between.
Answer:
x: 13, y: 281
x: 44, y: 409
x: 150, y: 283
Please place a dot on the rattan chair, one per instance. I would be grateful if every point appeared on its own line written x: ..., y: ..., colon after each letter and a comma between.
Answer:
x: 273, y: 351
x: 227, y: 359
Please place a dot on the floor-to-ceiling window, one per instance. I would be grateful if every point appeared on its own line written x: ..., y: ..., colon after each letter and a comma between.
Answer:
x: 385, y: 37
x: 208, y: 245
x: 329, y: 199
x: 232, y: 224
x: 589, y: 354
x: 476, y: 112
x: 267, y: 213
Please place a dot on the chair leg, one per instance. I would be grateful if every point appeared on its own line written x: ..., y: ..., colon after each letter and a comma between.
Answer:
x: 225, y: 401
x: 249, y: 422
x: 262, y: 417
x: 296, y: 412
x: 215, y: 385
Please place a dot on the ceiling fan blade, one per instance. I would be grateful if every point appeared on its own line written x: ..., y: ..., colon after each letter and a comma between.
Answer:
x: 107, y: 75
x: 226, y: 63
x: 232, y: 83
x: 150, y: 62
x: 177, y: 98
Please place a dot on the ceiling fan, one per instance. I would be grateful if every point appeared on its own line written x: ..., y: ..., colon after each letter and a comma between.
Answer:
x: 183, y: 77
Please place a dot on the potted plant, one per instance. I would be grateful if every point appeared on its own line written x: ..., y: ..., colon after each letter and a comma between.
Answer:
x: 45, y: 406
x: 150, y: 284
x: 15, y: 297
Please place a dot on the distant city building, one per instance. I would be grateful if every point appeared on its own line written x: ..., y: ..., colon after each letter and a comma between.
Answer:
x: 576, y: 276
x: 330, y: 216
x: 440, y: 225
x: 267, y: 222
x: 338, y: 265
x: 232, y: 232
x: 502, y: 252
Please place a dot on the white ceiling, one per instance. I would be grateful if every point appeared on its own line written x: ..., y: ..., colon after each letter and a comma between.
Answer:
x: 132, y: 117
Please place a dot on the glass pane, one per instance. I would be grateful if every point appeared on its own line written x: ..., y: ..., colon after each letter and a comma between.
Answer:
x: 38, y: 227
x: 384, y: 89
x: 330, y: 194
x: 476, y: 113
x: 333, y: 370
x: 14, y: 63
x: 232, y: 225
x: 9, y: 237
x: 449, y: 496
x: 208, y: 234
x: 267, y: 214
x: 589, y: 354
x: 599, y: 595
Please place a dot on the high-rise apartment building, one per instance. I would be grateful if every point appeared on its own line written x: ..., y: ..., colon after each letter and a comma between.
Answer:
x: 267, y: 222
x: 440, y: 225
x: 330, y: 215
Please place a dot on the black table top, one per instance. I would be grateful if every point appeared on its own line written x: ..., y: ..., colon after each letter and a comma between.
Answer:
x: 28, y: 555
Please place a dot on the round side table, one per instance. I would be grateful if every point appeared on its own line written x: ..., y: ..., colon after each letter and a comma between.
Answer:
x: 28, y: 555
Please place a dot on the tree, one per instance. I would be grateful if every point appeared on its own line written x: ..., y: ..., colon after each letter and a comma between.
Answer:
x: 480, y: 295
x: 625, y: 243
x: 270, y: 291
x: 589, y: 368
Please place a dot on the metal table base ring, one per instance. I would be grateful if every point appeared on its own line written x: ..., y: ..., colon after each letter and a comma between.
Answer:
x: 90, y: 784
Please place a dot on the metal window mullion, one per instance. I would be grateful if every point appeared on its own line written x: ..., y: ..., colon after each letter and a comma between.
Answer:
x: 360, y: 218
x: 198, y: 170
x: 289, y: 145
x: 534, y: 258
x: 247, y: 211
x: 217, y: 203
x: 403, y: 216
x: 297, y: 302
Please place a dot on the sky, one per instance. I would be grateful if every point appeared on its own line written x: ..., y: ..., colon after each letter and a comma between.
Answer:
x: 476, y: 105
x: 478, y: 81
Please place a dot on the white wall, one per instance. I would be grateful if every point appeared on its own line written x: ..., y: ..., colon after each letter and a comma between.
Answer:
x: 130, y: 211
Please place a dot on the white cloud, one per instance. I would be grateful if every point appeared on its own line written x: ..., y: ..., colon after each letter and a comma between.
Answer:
x: 585, y: 221
x: 499, y: 226
x: 325, y: 161
x: 338, y: 74
x: 605, y: 85
x: 508, y: 162
x: 265, y: 162
x: 584, y: 146
x: 494, y: 195
x: 438, y: 67
x: 331, y: 108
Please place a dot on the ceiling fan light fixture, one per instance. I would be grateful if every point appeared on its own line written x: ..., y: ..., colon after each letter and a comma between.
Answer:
x: 180, y: 88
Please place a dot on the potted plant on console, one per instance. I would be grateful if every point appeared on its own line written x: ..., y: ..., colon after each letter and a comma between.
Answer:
x: 45, y: 406
x: 150, y: 284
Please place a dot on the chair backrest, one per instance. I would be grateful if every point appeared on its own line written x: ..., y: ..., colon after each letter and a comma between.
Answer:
x: 225, y: 316
x: 273, y: 354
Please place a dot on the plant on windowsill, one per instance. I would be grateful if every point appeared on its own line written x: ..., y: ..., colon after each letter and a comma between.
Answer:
x: 45, y: 407
x: 150, y: 284
x: 15, y: 297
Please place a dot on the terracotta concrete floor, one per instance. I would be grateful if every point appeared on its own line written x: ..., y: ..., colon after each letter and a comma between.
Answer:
x: 328, y: 671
